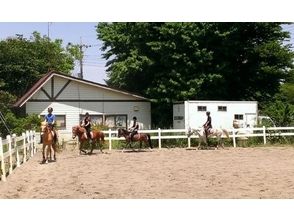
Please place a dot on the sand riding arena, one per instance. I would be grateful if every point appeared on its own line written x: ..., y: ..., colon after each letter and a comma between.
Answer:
x: 259, y: 172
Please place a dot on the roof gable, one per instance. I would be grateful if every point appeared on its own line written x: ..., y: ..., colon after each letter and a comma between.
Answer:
x: 69, y: 83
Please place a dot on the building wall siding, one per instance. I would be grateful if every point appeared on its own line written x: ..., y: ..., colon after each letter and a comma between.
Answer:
x: 72, y: 110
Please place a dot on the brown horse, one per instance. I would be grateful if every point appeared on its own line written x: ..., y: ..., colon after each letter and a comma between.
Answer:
x: 48, y: 144
x: 97, y: 136
x: 137, y: 137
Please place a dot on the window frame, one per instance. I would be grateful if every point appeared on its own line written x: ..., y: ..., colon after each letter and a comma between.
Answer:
x: 201, y: 108
x: 222, y: 108
x: 82, y: 116
x: 56, y: 119
x: 116, y: 120
x: 237, y: 118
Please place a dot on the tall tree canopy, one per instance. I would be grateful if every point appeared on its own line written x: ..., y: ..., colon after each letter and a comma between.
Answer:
x: 179, y: 61
x: 24, y: 61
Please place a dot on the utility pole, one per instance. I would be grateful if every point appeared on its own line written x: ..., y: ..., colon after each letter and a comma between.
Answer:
x: 48, y: 27
x: 81, y: 46
x: 80, y: 75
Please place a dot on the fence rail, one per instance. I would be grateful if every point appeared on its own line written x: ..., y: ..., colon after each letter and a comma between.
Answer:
x: 235, y: 134
x: 16, y: 150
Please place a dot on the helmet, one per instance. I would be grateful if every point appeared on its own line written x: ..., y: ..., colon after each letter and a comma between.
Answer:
x: 50, y: 109
x: 208, y: 113
x: 134, y: 118
x: 87, y: 113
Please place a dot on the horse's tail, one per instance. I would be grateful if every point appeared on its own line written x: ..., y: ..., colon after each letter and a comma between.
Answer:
x: 149, y: 140
x: 102, y: 136
x: 226, y: 133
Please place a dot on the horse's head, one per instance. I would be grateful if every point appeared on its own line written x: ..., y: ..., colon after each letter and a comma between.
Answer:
x: 121, y: 132
x: 74, y: 131
x: 45, y: 128
x: 77, y: 131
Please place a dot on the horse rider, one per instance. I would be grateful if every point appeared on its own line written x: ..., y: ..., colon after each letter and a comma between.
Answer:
x: 86, y: 123
x: 49, y: 119
x: 134, y: 128
x: 207, y: 125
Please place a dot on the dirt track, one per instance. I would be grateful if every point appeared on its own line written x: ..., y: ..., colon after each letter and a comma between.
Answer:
x: 265, y: 172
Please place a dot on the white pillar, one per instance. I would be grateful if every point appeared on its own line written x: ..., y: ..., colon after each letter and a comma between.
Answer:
x: 159, y: 138
x: 8, y: 137
x: 234, y: 137
x: 109, y: 136
x: 264, y: 135
x: 3, y: 174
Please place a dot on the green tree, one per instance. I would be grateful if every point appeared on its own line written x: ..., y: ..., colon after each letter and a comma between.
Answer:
x: 24, y: 61
x: 179, y: 61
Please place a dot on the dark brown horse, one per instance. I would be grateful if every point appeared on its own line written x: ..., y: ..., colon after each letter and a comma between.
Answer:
x: 97, y: 136
x: 137, y: 137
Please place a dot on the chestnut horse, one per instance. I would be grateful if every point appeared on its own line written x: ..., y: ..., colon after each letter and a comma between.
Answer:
x: 137, y: 137
x: 97, y: 137
x: 48, y: 144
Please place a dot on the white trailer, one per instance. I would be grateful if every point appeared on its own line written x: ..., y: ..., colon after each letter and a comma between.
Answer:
x: 193, y: 113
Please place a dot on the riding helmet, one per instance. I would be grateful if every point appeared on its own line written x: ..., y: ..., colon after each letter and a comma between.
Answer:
x: 50, y: 109
x: 134, y: 118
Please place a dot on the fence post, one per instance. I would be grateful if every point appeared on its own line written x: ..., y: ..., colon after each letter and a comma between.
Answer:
x: 16, y: 150
x: 8, y: 137
x: 24, y: 147
x: 264, y: 135
x: 3, y: 174
x: 32, y: 142
x: 159, y: 138
x: 109, y: 136
x: 189, y: 140
x: 234, y: 137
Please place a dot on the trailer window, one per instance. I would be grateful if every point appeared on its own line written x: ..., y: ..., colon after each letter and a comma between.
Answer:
x: 201, y: 108
x: 238, y: 117
x: 222, y: 108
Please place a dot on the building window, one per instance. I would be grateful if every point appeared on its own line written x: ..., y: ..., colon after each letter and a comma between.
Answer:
x: 222, y: 108
x: 95, y: 119
x: 116, y: 121
x: 201, y: 108
x: 60, y: 121
x: 238, y: 117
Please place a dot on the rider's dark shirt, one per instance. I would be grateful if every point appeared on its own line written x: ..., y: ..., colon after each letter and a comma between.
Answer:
x: 87, y: 123
x: 208, y: 122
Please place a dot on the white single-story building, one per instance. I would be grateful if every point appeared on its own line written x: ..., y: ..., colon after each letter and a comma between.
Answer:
x: 193, y: 113
x: 72, y: 97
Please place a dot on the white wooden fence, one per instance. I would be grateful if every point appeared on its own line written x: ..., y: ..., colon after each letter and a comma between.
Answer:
x: 17, y: 151
x: 235, y: 134
x: 161, y: 134
x: 20, y: 149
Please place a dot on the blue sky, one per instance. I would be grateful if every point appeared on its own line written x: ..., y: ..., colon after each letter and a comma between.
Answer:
x: 74, y: 32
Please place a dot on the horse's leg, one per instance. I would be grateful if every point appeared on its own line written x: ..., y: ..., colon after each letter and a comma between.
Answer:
x: 46, y: 153
x: 100, y: 144
x: 43, y: 153
x: 92, y: 146
x: 52, y: 152
x: 81, y: 147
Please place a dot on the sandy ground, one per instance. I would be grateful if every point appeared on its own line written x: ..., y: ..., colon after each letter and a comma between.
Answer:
x: 263, y: 172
